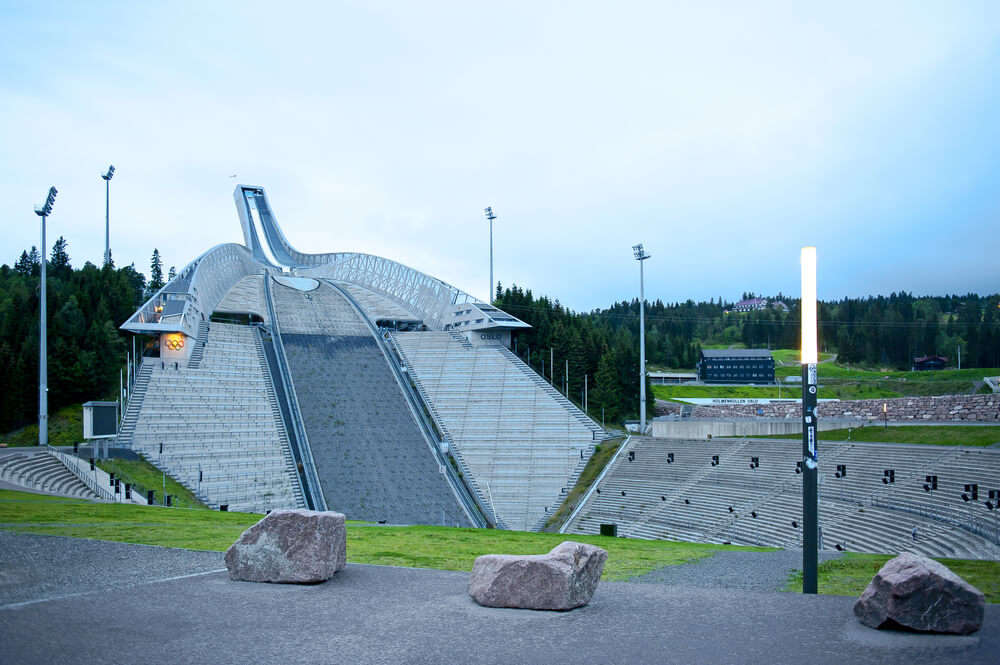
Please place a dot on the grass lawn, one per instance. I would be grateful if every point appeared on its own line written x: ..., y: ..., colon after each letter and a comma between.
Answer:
x: 839, y: 382
x: 418, y: 546
x: 602, y: 455
x: 169, y: 527
x: 851, y: 573
x: 684, y: 390
x: 65, y: 428
x: 793, y: 356
x: 939, y: 435
x: 145, y: 476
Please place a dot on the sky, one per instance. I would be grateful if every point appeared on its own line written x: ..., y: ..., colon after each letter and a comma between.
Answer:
x: 723, y: 136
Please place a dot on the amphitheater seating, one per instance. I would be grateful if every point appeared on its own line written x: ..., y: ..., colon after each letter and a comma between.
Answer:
x: 690, y: 499
x: 371, y: 457
x: 42, y: 472
x: 219, y: 429
x: 522, y: 442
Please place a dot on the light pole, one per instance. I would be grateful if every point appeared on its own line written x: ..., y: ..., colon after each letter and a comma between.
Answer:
x: 810, y: 356
x: 488, y: 210
x: 107, y: 212
x: 43, y: 211
x: 640, y: 256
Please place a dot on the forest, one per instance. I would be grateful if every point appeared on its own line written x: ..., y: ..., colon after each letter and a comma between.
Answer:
x: 87, y: 350
x: 876, y: 331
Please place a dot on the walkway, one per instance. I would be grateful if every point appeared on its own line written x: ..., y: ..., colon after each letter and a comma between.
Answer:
x: 181, y: 612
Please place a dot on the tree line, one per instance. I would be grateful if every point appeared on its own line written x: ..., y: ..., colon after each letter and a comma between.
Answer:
x: 603, y: 345
x: 86, y: 349
x: 598, y: 348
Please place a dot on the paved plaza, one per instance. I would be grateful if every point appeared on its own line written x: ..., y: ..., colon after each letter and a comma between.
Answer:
x: 77, y: 601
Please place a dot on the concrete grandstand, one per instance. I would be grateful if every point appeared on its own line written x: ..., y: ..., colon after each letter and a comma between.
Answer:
x: 708, y: 490
x: 347, y: 382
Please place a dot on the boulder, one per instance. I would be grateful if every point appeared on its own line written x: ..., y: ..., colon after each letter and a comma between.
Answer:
x: 290, y: 546
x: 563, y: 579
x: 912, y: 592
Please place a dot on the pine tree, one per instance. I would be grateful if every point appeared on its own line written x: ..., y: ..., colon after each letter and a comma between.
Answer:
x: 155, y: 273
x: 24, y: 266
x: 172, y: 274
x: 60, y: 258
x: 606, y: 392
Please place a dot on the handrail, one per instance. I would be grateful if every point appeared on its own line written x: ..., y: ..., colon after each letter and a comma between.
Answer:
x: 594, y: 485
x: 445, y: 436
x: 281, y: 413
x: 466, y: 498
x: 302, y: 450
x: 598, y: 433
x: 87, y: 479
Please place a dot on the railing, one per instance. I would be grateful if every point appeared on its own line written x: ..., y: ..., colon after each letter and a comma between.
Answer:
x: 312, y: 489
x: 475, y: 512
x: 277, y: 403
x: 191, y: 297
x: 975, y: 524
x: 598, y: 433
x: 73, y: 464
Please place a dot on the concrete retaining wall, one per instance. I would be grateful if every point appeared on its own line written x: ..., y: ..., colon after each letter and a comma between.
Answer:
x: 701, y: 429
x: 957, y: 408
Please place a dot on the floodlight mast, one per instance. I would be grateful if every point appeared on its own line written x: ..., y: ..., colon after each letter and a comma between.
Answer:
x: 43, y: 211
x: 107, y: 212
x: 488, y: 211
x: 810, y: 472
x: 640, y: 255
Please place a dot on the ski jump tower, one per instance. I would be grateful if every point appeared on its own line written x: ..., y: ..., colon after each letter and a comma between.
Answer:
x: 349, y: 382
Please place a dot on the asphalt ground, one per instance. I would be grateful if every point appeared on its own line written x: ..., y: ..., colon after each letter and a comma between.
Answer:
x: 76, y: 601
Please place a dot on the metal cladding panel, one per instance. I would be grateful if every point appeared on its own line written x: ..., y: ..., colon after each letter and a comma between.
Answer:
x: 192, y: 296
x: 203, y: 283
x: 424, y: 295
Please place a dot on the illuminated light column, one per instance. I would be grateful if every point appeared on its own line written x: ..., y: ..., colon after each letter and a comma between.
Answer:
x: 810, y: 472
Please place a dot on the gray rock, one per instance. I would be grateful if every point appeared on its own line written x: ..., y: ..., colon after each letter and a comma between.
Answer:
x: 563, y: 579
x: 916, y: 593
x: 290, y: 546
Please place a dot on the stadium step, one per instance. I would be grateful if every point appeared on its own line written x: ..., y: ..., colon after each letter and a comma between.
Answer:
x: 199, y: 346
x: 43, y: 472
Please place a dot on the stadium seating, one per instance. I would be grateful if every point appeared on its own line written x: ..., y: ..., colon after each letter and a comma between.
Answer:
x: 43, y: 472
x: 215, y: 426
x: 523, y: 443
x: 690, y: 499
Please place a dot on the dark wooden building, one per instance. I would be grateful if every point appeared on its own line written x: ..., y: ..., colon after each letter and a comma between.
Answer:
x: 736, y: 366
x: 929, y: 362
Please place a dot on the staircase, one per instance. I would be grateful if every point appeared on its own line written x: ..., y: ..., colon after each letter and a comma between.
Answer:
x: 135, y: 399
x: 199, y: 346
x: 272, y: 400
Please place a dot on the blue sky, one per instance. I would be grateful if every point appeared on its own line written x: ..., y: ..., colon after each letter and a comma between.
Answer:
x: 723, y: 137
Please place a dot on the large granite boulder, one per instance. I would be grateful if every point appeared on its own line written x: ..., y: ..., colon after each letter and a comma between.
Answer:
x: 916, y: 593
x: 563, y: 579
x: 290, y: 546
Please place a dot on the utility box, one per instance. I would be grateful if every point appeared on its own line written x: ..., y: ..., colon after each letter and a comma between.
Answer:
x: 609, y: 530
x: 100, y: 420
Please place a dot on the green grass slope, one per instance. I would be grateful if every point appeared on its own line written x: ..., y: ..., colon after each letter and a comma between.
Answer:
x: 417, y: 546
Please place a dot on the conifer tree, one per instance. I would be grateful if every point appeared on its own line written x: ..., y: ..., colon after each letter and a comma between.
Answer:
x: 155, y: 273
